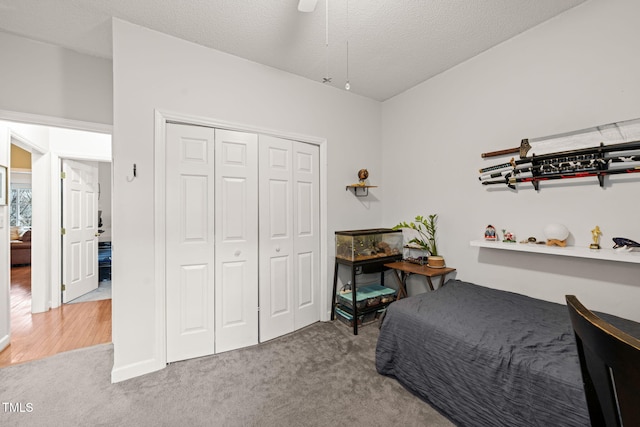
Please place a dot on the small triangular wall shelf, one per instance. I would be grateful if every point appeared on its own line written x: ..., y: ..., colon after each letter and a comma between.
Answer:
x: 364, y: 189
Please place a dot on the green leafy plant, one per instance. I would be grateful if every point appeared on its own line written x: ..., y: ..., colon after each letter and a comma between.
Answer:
x: 426, y: 228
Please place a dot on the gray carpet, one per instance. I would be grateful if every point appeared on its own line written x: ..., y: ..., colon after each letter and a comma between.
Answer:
x: 321, y: 375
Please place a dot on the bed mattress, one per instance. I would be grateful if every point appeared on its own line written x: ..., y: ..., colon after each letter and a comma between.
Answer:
x: 486, y: 357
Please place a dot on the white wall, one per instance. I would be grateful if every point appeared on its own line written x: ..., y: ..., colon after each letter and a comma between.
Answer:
x: 578, y: 70
x: 45, y: 84
x: 104, y: 202
x: 42, y: 79
x: 5, y: 276
x: 75, y: 144
x: 155, y: 71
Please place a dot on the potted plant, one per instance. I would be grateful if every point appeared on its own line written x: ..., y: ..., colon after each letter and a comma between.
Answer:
x: 426, y: 228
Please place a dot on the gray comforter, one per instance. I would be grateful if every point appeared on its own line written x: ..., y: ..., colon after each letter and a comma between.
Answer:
x: 486, y: 357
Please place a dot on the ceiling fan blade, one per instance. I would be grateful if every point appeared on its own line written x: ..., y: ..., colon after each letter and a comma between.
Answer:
x: 307, y: 5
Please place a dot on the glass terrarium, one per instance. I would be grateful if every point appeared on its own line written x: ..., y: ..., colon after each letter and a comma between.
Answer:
x: 362, y: 245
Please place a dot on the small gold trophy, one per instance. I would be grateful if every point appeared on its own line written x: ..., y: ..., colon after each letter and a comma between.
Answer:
x: 595, y: 235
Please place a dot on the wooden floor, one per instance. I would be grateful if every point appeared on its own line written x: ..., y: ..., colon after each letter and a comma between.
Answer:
x: 71, y: 326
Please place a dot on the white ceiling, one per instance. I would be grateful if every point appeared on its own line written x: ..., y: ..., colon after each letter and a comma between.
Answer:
x: 393, y: 44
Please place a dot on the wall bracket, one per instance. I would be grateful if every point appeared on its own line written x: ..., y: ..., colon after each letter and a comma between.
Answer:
x: 360, y: 190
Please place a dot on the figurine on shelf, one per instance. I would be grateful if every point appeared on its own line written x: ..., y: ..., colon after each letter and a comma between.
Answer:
x: 624, y: 244
x: 490, y: 233
x: 363, y: 174
x: 530, y: 240
x: 508, y: 237
x: 595, y: 235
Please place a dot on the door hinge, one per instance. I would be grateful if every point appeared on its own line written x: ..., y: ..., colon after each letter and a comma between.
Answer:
x: 63, y: 231
x: 64, y: 287
x: 63, y: 175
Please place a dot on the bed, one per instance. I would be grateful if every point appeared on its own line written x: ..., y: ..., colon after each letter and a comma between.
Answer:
x: 485, y: 357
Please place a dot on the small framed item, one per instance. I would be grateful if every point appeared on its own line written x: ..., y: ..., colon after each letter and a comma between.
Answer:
x: 490, y: 233
x: 3, y: 185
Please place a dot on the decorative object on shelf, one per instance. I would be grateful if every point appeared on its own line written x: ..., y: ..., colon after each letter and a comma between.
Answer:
x: 556, y: 235
x: 529, y: 240
x: 532, y: 240
x: 426, y: 228
x: 595, y: 235
x: 618, y: 132
x: 624, y: 244
x: 435, y: 261
x: 361, y: 185
x: 490, y: 233
x: 408, y: 255
x: 508, y: 237
x: 597, y: 161
x: 421, y: 260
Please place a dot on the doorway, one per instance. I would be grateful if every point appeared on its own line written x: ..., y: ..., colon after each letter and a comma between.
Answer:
x: 47, y: 145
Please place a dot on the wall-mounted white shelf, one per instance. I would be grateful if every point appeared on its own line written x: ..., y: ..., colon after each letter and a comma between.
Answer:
x: 572, y: 251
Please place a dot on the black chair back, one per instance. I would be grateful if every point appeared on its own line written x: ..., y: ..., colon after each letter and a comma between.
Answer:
x: 610, y: 365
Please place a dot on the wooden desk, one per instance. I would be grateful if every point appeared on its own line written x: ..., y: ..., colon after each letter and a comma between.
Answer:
x: 406, y: 269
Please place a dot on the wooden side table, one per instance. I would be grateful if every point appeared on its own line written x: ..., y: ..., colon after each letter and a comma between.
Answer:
x: 403, y: 270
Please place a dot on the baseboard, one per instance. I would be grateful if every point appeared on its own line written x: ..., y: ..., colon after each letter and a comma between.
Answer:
x: 135, y: 370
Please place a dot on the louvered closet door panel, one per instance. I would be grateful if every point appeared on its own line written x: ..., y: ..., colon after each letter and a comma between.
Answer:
x: 276, y: 237
x: 190, y: 245
x: 236, y: 240
x: 306, y: 244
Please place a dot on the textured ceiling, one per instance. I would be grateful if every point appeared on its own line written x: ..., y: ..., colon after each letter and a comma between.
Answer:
x: 393, y: 44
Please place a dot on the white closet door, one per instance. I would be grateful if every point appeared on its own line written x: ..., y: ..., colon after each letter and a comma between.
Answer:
x: 306, y: 244
x: 276, y: 237
x: 236, y: 240
x: 189, y: 241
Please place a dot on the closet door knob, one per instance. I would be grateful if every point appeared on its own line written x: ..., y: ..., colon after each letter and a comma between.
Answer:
x: 237, y: 253
x: 278, y: 249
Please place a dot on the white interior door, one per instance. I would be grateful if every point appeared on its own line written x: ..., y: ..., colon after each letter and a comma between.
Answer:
x: 306, y: 244
x: 80, y: 225
x: 276, y: 237
x: 190, y: 244
x: 236, y: 220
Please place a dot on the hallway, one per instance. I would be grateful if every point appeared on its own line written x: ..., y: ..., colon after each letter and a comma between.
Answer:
x: 71, y: 326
